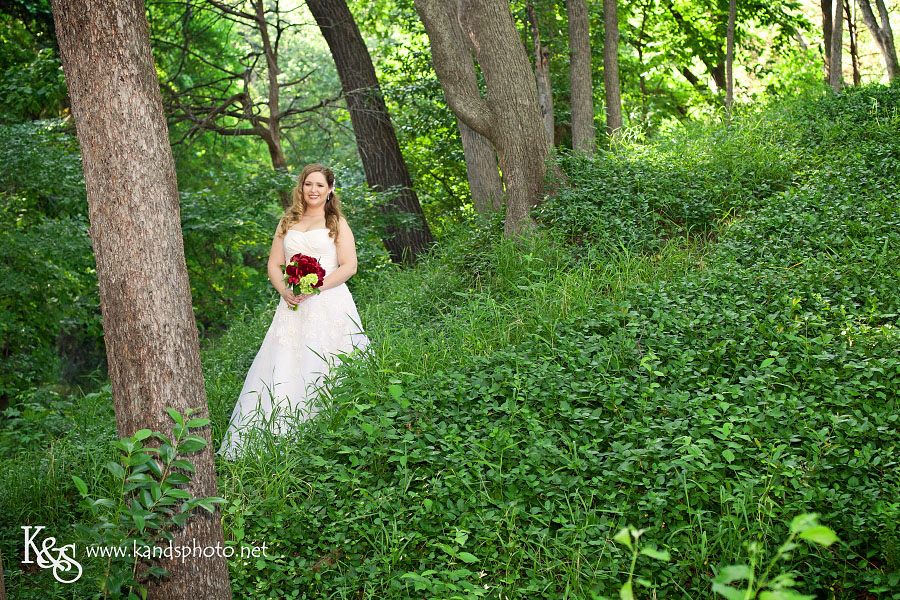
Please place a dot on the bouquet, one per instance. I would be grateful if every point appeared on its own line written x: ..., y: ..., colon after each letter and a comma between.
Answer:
x: 304, y: 275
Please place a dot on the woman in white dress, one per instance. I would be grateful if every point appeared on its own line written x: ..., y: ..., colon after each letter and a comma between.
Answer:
x: 301, y: 345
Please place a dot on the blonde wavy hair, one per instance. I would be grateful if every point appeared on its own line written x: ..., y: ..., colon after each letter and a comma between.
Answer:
x: 333, y: 213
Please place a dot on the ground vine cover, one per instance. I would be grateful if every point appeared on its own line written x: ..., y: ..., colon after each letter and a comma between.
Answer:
x: 704, y: 343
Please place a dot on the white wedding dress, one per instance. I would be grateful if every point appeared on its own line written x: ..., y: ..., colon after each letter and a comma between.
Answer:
x: 298, y: 351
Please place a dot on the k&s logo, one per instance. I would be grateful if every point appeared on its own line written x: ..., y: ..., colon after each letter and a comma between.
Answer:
x: 62, y: 563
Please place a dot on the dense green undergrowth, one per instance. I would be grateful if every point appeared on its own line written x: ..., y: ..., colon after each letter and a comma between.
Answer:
x: 703, y: 341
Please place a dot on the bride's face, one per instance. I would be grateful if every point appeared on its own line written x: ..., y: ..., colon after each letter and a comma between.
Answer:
x: 315, y: 189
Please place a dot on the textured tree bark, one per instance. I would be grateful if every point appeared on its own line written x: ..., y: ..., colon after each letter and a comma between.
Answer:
x: 145, y: 300
x: 542, y: 75
x: 611, y: 67
x: 827, y: 27
x: 481, y: 169
x: 482, y: 172
x: 377, y: 143
x: 581, y: 83
x: 854, y: 50
x: 510, y: 115
x: 836, y: 74
x: 729, y: 56
x: 883, y: 34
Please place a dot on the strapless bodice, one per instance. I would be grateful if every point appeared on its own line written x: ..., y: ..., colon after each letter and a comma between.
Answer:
x: 316, y: 243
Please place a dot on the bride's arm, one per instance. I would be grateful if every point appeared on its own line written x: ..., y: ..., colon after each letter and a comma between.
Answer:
x: 346, y: 255
x: 276, y: 259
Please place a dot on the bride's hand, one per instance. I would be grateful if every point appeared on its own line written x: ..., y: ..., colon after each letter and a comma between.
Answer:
x: 290, y: 298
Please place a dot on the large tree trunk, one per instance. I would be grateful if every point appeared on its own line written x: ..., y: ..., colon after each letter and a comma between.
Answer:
x: 542, y: 75
x: 836, y: 74
x: 378, y: 147
x: 883, y: 35
x: 827, y: 27
x: 152, y: 344
x: 510, y: 115
x: 854, y: 48
x: 580, y: 81
x: 611, y: 67
x: 729, y: 56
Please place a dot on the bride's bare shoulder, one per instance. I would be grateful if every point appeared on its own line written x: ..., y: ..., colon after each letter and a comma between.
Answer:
x: 278, y: 229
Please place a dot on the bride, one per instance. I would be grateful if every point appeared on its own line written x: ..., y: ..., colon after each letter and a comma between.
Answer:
x: 301, y: 345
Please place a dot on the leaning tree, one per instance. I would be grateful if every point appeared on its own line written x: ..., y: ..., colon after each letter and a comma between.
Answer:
x: 509, y: 115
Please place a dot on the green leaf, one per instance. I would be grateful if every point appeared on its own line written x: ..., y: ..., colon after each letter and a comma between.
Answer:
x: 135, y: 460
x: 784, y: 594
x: 142, y: 434
x: 183, y: 464
x: 176, y: 416
x: 729, y: 592
x: 728, y: 455
x: 733, y: 573
x: 167, y: 453
x: 624, y: 538
x: 116, y: 469
x: 820, y: 535
x: 80, y: 484
x: 192, y: 443
x: 191, y: 446
x: 657, y: 554
x: 467, y: 557
x: 625, y: 593
x: 162, y: 438
x: 395, y: 391
x: 198, y: 422
x: 804, y: 521
x: 178, y: 493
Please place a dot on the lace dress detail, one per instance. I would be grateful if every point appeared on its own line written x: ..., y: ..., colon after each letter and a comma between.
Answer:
x: 299, y: 350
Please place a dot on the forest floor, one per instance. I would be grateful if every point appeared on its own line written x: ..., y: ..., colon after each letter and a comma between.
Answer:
x: 701, y: 341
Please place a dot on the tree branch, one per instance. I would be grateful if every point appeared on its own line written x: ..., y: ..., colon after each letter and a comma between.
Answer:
x: 453, y: 64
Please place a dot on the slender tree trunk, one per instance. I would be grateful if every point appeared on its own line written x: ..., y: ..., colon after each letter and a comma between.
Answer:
x: 481, y: 169
x: 854, y: 50
x: 580, y: 80
x: 836, y: 75
x: 152, y: 344
x: 485, y: 184
x: 510, y: 115
x: 827, y: 27
x: 729, y: 56
x: 542, y: 74
x: 883, y: 34
x: 272, y: 134
x: 611, y: 67
x: 378, y: 147
x: 640, y: 43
